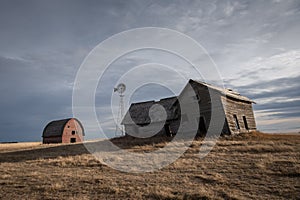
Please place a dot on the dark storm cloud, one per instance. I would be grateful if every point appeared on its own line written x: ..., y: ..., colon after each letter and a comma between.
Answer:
x: 279, y: 95
x: 286, y: 115
x: 35, y: 25
x: 30, y: 95
x: 43, y: 43
x: 284, y: 106
x: 287, y: 87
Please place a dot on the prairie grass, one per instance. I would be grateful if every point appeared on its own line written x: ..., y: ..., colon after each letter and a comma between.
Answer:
x: 247, y: 166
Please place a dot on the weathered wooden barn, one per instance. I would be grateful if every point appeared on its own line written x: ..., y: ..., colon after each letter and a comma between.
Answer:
x: 63, y: 131
x: 235, y: 109
x: 141, y: 117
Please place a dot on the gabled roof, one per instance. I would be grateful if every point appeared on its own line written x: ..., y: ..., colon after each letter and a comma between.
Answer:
x: 225, y: 92
x: 139, y: 112
x: 56, y: 128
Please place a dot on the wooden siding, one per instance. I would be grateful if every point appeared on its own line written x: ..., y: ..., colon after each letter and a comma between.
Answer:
x: 215, y: 106
x: 144, y: 131
x: 240, y: 109
x: 207, y: 99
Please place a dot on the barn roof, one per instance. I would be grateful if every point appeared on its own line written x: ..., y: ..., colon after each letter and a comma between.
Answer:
x: 56, y: 128
x: 139, y: 112
x: 226, y: 92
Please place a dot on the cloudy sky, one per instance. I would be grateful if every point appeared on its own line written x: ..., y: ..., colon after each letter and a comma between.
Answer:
x: 255, y: 45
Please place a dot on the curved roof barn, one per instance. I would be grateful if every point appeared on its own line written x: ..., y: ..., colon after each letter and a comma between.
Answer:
x: 61, y: 131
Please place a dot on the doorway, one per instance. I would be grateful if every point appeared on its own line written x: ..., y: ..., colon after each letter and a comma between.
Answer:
x: 168, y: 130
x: 202, y: 126
x: 73, y: 140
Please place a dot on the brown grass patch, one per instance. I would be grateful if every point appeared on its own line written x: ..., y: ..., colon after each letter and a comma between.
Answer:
x: 247, y: 166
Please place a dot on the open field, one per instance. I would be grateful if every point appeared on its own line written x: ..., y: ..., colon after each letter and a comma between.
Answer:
x: 249, y: 166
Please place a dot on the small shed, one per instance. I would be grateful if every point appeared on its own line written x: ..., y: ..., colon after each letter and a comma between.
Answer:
x: 139, y: 116
x: 63, y: 131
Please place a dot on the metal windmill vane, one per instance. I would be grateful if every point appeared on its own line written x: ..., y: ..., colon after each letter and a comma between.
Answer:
x: 120, y: 89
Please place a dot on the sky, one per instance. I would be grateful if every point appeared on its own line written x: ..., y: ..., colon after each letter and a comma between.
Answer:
x: 255, y: 45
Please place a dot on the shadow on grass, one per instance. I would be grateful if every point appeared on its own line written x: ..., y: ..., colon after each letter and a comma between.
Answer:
x: 127, y: 142
x: 43, y: 152
x: 60, y: 150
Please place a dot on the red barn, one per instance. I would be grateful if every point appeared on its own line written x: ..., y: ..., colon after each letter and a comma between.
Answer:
x: 63, y: 131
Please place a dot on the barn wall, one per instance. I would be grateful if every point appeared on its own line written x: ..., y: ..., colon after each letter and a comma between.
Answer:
x: 218, y: 119
x: 208, y: 98
x: 240, y: 109
x: 72, y: 125
x: 174, y: 125
x: 189, y: 112
x: 48, y: 140
x: 144, y: 131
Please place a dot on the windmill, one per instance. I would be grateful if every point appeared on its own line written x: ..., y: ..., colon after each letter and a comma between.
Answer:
x: 120, y: 89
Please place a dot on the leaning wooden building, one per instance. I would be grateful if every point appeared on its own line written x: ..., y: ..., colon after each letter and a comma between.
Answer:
x: 63, y: 131
x: 236, y: 110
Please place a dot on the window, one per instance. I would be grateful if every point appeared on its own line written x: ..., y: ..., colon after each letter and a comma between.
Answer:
x: 245, y: 122
x: 236, y: 122
x: 73, y: 132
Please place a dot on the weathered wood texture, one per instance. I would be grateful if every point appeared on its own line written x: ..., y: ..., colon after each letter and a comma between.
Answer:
x: 200, y: 108
x: 239, y: 109
x: 211, y: 109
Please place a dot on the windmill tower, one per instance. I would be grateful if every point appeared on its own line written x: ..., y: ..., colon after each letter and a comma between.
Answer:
x: 120, y: 128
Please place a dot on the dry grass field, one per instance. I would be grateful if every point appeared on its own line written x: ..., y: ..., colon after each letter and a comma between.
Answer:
x: 248, y: 166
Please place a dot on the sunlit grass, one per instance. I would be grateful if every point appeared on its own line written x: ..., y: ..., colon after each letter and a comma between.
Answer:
x: 253, y: 166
